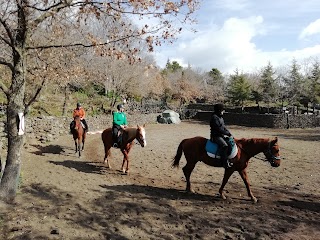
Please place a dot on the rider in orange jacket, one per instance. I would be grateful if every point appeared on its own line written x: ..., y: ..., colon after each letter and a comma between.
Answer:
x: 80, y: 112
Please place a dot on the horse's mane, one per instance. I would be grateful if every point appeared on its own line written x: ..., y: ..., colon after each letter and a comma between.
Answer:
x: 245, y: 141
x: 130, y: 129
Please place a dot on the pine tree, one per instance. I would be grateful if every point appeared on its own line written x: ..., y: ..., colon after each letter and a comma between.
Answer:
x: 268, y: 85
x: 314, y: 85
x: 294, y: 84
x: 239, y: 89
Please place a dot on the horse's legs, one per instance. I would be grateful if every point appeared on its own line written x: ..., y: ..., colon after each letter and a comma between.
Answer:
x: 106, y: 156
x: 125, y: 160
x: 187, y: 170
x: 83, y: 140
x: 79, y: 147
x: 227, y: 173
x: 76, y: 145
x: 245, y: 179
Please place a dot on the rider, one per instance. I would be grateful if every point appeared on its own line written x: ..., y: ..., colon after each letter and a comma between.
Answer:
x: 218, y: 131
x: 79, y: 111
x: 119, y: 122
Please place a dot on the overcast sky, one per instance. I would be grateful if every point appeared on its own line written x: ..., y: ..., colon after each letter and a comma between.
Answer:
x: 247, y: 34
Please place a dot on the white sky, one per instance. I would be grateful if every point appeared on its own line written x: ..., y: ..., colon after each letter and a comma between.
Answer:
x: 247, y: 34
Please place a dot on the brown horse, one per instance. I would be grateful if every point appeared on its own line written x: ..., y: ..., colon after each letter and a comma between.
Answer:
x: 194, y: 151
x: 79, y: 135
x: 129, y: 134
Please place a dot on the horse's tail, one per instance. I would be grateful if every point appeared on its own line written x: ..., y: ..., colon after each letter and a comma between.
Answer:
x: 177, y: 158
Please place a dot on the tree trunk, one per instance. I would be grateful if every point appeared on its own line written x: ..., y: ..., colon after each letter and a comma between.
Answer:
x: 11, y: 173
x: 0, y: 159
x: 10, y: 178
x: 64, y: 108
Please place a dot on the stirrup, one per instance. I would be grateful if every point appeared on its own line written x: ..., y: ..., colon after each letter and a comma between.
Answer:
x: 115, y: 145
x: 229, y: 164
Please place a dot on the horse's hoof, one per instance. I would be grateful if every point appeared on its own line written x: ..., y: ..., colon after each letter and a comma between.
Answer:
x: 223, y: 196
x: 191, y: 191
x: 254, y: 199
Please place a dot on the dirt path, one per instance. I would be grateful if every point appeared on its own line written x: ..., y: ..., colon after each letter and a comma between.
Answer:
x: 64, y: 197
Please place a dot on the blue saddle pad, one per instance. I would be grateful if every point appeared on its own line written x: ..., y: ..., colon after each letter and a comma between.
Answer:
x: 213, y: 148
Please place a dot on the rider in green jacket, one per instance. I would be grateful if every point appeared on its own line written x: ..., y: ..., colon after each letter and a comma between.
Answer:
x: 119, y: 122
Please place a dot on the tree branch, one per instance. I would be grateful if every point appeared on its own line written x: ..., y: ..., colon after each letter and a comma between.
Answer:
x: 9, y: 33
x: 52, y: 10
x: 3, y: 62
x: 90, y: 45
x: 27, y: 105
x: 4, y: 88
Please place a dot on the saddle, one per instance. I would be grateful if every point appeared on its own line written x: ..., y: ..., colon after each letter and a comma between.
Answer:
x: 214, y: 151
x: 73, y: 124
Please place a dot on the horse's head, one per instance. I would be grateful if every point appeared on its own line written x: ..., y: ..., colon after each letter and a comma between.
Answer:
x: 141, y: 135
x: 273, y: 153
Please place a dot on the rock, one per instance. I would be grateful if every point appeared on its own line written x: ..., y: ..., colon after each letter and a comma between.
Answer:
x: 55, y: 231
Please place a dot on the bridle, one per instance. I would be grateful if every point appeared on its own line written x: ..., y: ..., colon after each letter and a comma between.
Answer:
x: 269, y: 155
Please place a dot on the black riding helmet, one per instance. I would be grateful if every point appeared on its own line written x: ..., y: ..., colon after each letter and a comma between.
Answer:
x: 120, y: 106
x: 78, y: 104
x: 218, y: 108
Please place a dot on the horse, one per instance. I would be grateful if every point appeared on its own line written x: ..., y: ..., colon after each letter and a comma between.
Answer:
x: 79, y: 135
x: 128, y: 135
x: 194, y: 151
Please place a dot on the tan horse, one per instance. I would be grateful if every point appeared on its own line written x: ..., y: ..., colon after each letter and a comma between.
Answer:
x: 194, y: 151
x: 128, y: 135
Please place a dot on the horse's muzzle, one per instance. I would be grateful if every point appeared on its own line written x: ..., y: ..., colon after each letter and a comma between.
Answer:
x: 275, y: 163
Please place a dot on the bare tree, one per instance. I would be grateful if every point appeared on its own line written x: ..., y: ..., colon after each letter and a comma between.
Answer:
x: 22, y: 20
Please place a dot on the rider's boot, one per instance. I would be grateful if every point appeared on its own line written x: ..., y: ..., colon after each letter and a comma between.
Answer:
x: 119, y: 140
x: 115, y: 142
x: 224, y: 158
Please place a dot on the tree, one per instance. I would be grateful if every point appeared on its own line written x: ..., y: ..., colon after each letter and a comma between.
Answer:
x: 294, y: 83
x: 173, y: 67
x: 216, y: 77
x: 313, y: 90
x: 268, y: 85
x: 22, y: 21
x: 238, y: 89
x: 214, y: 85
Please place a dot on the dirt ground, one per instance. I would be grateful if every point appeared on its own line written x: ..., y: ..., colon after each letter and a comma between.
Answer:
x: 66, y: 197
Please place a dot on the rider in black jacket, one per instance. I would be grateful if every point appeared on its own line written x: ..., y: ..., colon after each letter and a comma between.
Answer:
x: 218, y: 131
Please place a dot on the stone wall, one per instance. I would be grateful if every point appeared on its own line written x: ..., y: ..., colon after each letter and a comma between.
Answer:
x: 265, y: 120
x: 48, y: 128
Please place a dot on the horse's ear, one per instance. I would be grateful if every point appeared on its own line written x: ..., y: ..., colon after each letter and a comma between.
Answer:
x: 273, y: 142
x: 144, y: 125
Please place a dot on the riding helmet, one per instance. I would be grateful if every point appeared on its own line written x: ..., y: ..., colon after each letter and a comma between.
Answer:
x: 218, y: 108
x: 78, y: 104
x: 120, y: 106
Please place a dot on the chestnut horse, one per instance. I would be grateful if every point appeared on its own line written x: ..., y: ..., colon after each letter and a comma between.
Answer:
x: 194, y: 151
x: 79, y: 135
x: 128, y: 135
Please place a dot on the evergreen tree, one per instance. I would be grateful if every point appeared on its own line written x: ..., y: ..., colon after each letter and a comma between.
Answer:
x: 216, y: 77
x: 294, y: 84
x: 173, y: 67
x: 268, y: 85
x: 238, y: 89
x: 313, y: 90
